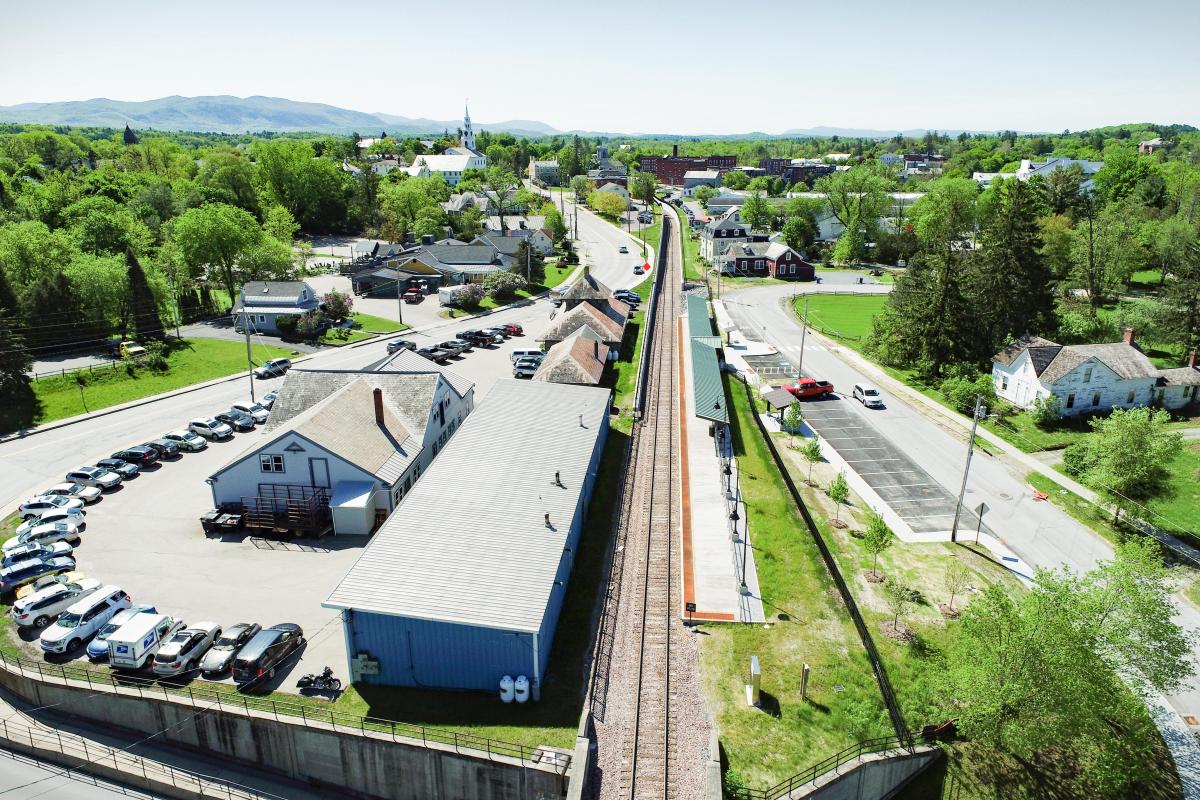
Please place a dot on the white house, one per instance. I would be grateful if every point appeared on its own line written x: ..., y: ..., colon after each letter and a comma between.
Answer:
x: 264, y: 302
x: 1089, y: 378
x: 721, y: 232
x: 694, y: 178
x: 355, y: 442
x: 1029, y: 168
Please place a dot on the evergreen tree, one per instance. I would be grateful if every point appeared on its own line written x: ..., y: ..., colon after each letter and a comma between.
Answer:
x: 1181, y: 301
x: 527, y: 259
x: 14, y: 356
x: 142, y: 305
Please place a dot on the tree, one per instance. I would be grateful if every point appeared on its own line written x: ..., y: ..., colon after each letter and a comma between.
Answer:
x: 142, y: 305
x: 607, y: 204
x: 308, y: 324
x: 337, y: 305
x: 1126, y: 456
x: 1103, y: 254
x: 877, y: 538
x: 556, y: 225
x: 402, y: 204
x: 1046, y: 411
x: 280, y: 225
x: 857, y: 197
x: 216, y: 236
x: 898, y: 598
x: 839, y: 492
x: 102, y: 226
x: 503, y: 286
x: 735, y: 179
x: 529, y: 263
x: 1056, y: 234
x: 703, y: 194
x: 1170, y: 241
x: 1181, y: 301
x: 756, y: 212
x: 14, y: 356
x: 642, y: 186
x: 1040, y: 669
x: 797, y: 234
x: 794, y: 417
x: 812, y: 454
x: 955, y: 580
x: 582, y: 187
x: 1061, y: 189
x: 315, y: 191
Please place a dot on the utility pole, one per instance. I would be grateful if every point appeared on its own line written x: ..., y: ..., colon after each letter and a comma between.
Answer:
x: 399, y: 299
x: 980, y: 411
x: 803, y: 337
x: 249, y: 359
x: 528, y: 259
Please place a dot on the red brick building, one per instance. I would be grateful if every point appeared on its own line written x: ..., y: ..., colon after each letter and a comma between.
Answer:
x: 669, y: 170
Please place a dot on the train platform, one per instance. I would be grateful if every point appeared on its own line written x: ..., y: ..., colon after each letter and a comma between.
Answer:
x: 720, y: 582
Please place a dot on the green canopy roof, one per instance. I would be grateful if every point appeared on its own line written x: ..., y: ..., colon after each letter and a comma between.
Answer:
x: 708, y: 392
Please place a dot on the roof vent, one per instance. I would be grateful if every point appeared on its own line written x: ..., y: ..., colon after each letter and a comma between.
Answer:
x: 547, y: 519
x: 266, y: 289
x: 558, y: 478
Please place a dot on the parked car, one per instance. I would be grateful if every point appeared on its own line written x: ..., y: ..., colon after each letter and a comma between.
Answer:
x: 70, y: 576
x: 526, y: 367
x: 166, y: 448
x: 264, y: 652
x: 809, y: 387
x: 256, y: 411
x: 219, y: 659
x: 475, y: 337
x: 33, y: 549
x: 136, y: 642
x: 396, y: 345
x: 868, y: 395
x: 185, y: 648
x: 435, y: 354
x: 517, y: 355
x: 98, y: 477
x: 76, y: 515
x: 42, y: 606
x: 97, y: 649
x: 514, y: 329
x: 210, y: 428
x: 141, y: 454
x: 627, y: 296
x: 236, y: 420
x: 24, y: 572
x: 83, y: 618
x: 273, y: 368
x: 122, y: 468
x: 44, y: 534
x: 186, y: 440
x: 269, y: 399
x: 622, y: 249
x: 455, y: 346
x: 413, y: 296
x: 76, y: 491
x: 43, y: 503
x: 637, y: 269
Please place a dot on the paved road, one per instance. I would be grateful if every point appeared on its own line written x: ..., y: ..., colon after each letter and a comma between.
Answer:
x: 1039, y: 533
x: 23, y: 778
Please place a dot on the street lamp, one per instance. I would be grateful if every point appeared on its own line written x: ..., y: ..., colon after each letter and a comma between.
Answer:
x: 728, y: 473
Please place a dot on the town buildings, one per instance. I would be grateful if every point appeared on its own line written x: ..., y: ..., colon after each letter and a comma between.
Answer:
x: 1029, y: 168
x: 261, y: 304
x: 669, y: 170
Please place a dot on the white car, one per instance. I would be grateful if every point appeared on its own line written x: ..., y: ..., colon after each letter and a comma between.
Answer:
x: 210, y: 428
x: 88, y: 494
x: 27, y: 550
x: 186, y: 440
x: 94, y: 476
x: 43, y: 534
x: 83, y: 618
x: 868, y: 395
x: 45, y: 503
x: 622, y: 249
x: 44, y: 605
x: 185, y: 648
x: 526, y: 367
x: 254, y: 410
x: 269, y: 398
x: 75, y: 515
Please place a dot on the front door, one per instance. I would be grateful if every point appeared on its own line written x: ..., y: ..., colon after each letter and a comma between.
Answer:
x: 318, y: 470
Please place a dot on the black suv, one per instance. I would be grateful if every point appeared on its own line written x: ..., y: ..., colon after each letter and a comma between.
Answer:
x: 476, y: 337
x: 164, y: 447
x: 143, y: 455
x: 262, y: 654
x: 237, y: 420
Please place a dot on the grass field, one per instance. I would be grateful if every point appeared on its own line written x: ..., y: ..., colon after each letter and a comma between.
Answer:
x: 189, y: 361
x: 693, y: 268
x: 373, y: 324
x: 808, y: 625
x: 843, y: 316
x: 621, y: 374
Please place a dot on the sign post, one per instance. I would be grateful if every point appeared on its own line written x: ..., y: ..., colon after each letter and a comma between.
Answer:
x: 980, y: 511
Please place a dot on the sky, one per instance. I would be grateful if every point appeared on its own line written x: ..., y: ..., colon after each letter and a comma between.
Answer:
x: 655, y: 66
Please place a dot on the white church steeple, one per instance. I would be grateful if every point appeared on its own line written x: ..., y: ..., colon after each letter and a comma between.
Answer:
x: 468, y: 135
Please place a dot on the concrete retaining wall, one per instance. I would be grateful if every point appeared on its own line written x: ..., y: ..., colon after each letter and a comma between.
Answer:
x: 362, y: 765
x: 876, y: 776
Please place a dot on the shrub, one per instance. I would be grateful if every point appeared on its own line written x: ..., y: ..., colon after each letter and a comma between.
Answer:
x: 308, y: 326
x: 960, y: 392
x: 1046, y: 411
x: 337, y: 305
x: 156, y: 356
x: 287, y: 324
x: 503, y: 286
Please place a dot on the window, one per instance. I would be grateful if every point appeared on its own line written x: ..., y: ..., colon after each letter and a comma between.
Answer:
x: 1087, y: 375
x: 1071, y: 400
x: 262, y: 317
x: 1095, y: 399
x: 1003, y: 382
x: 268, y: 463
x: 1129, y: 399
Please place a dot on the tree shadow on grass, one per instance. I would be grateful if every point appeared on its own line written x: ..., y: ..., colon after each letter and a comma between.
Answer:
x: 19, y: 407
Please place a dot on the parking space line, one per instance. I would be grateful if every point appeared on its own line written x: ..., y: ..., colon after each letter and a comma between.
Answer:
x: 896, y: 485
x: 871, y: 460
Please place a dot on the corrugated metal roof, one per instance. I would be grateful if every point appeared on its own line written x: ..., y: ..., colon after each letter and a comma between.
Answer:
x: 469, y: 544
x: 408, y: 362
x: 707, y: 389
x: 697, y: 313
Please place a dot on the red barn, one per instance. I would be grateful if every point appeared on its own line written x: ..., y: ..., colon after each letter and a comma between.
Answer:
x: 767, y: 259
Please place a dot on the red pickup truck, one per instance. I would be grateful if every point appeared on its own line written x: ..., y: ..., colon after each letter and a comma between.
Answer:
x: 809, y: 387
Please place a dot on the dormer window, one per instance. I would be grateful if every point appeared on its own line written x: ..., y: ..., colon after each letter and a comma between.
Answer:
x: 304, y: 294
x: 1087, y: 375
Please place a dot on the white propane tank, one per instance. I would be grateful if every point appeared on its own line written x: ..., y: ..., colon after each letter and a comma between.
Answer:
x: 522, y: 689
x: 506, y: 689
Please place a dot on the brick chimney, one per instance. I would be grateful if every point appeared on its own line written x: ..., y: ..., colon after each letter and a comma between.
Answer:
x: 596, y: 351
x: 1129, y: 336
x: 378, y: 394
x: 674, y: 151
x: 1192, y: 360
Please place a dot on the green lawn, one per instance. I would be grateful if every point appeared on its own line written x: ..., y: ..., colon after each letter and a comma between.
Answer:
x: 842, y: 316
x: 189, y: 361
x: 692, y: 266
x: 374, y: 324
x: 808, y: 626
x: 621, y: 374
x: 557, y: 272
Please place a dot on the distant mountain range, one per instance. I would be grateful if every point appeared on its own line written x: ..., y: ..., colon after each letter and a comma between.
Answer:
x: 228, y: 114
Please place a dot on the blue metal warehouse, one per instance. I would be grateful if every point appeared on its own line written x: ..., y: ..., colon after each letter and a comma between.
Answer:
x: 464, y: 582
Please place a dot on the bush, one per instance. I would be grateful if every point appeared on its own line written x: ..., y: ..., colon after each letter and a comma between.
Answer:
x: 960, y: 392
x: 308, y: 326
x: 337, y: 305
x: 287, y: 325
x: 467, y: 296
x: 1046, y: 412
x: 503, y: 286
x: 156, y: 356
x: 1078, y: 459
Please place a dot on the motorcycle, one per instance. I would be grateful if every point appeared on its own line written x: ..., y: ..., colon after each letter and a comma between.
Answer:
x: 325, y: 682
